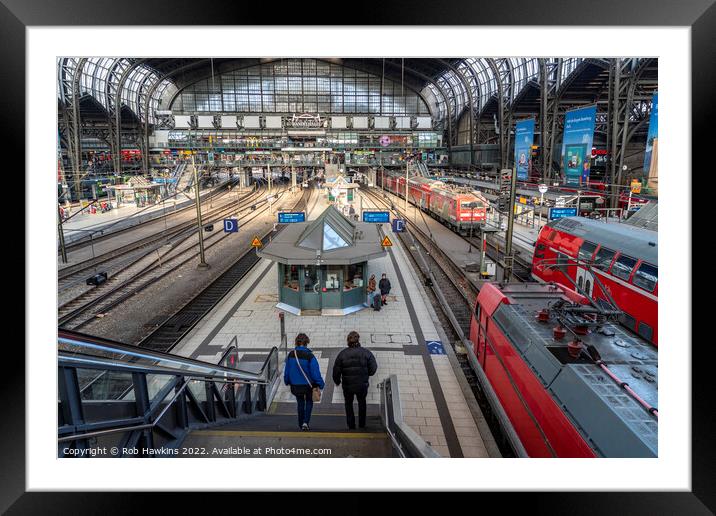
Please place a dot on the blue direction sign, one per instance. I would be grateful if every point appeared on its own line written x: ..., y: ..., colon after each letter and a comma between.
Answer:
x: 231, y: 226
x: 376, y: 217
x: 558, y: 213
x: 435, y: 347
x: 398, y: 225
x: 290, y: 217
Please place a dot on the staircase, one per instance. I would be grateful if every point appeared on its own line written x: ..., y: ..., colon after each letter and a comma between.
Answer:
x: 277, y: 435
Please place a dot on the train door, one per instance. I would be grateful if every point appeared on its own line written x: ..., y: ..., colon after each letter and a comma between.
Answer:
x: 585, y: 279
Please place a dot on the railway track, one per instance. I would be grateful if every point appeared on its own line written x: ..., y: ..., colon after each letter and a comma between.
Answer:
x: 144, y: 273
x: 165, y: 337
x: 495, y: 249
x: 75, y: 274
x: 84, y: 242
x: 455, y: 308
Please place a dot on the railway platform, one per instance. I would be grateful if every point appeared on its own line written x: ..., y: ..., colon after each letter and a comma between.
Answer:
x: 80, y: 225
x: 405, y: 337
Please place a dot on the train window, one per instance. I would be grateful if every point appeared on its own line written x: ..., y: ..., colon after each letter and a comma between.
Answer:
x: 645, y: 331
x: 604, y: 258
x: 551, y: 235
x: 623, y: 266
x: 586, y: 251
x: 627, y: 320
x: 646, y: 276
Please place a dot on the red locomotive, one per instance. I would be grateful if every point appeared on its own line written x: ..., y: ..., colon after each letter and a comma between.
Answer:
x: 456, y: 208
x: 608, y: 262
x: 571, y: 382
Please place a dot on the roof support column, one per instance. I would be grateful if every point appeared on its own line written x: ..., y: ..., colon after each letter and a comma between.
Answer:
x: 550, y: 76
x: 469, y: 104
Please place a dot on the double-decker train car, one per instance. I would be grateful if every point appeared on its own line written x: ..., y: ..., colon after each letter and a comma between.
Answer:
x: 607, y: 262
x: 456, y: 208
x: 570, y: 381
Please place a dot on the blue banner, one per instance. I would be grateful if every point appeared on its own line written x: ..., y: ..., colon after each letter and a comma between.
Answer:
x: 524, y: 136
x: 653, y: 131
x: 577, y: 144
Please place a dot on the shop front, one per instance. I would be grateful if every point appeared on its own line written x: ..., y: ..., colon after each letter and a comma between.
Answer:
x: 322, y: 264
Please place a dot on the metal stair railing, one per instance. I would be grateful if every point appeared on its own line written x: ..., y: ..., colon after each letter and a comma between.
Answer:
x: 169, y: 396
x: 406, y: 442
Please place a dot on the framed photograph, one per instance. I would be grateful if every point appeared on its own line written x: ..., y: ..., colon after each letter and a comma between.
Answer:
x: 507, y: 338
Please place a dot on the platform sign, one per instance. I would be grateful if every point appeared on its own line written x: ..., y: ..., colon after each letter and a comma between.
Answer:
x: 577, y: 144
x: 398, y: 225
x: 559, y: 213
x: 386, y: 242
x: 256, y: 242
x: 376, y: 217
x: 291, y: 217
x: 524, y: 136
x: 231, y: 226
x: 435, y: 347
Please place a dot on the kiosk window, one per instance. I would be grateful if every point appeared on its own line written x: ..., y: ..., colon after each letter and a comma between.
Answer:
x: 290, y: 277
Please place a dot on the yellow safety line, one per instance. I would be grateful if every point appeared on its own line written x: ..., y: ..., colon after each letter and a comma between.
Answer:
x: 310, y: 435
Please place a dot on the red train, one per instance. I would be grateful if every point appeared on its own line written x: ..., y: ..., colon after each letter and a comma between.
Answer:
x: 448, y: 205
x: 571, y: 382
x: 604, y: 260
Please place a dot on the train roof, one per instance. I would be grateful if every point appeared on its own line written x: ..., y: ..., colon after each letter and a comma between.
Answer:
x: 639, y: 243
x: 604, y: 413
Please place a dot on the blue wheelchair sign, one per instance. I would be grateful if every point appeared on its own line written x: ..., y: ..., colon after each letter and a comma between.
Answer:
x: 231, y: 226
x: 435, y: 347
x: 398, y: 225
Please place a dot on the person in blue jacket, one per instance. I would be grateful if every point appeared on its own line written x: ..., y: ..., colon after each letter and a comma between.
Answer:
x: 302, y: 374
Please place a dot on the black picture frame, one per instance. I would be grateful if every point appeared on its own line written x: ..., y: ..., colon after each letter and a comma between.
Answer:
x: 700, y: 15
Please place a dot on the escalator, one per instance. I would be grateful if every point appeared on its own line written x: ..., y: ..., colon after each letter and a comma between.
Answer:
x: 143, y: 403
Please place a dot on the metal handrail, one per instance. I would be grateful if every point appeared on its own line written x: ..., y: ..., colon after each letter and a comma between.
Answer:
x: 406, y: 441
x: 142, y: 353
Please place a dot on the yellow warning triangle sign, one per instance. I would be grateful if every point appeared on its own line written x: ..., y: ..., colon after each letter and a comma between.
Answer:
x: 256, y: 242
x: 386, y: 242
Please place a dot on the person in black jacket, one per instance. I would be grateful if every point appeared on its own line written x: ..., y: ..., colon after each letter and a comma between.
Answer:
x: 384, y: 286
x: 351, y: 369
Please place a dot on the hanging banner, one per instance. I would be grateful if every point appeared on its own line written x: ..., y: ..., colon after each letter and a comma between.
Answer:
x: 652, y: 143
x: 577, y: 144
x: 524, y: 136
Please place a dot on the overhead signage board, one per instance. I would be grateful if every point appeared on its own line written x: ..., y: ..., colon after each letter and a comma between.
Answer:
x: 577, y: 144
x: 291, y: 217
x: 376, y: 217
x: 560, y: 213
x: 306, y: 120
x: 524, y: 136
